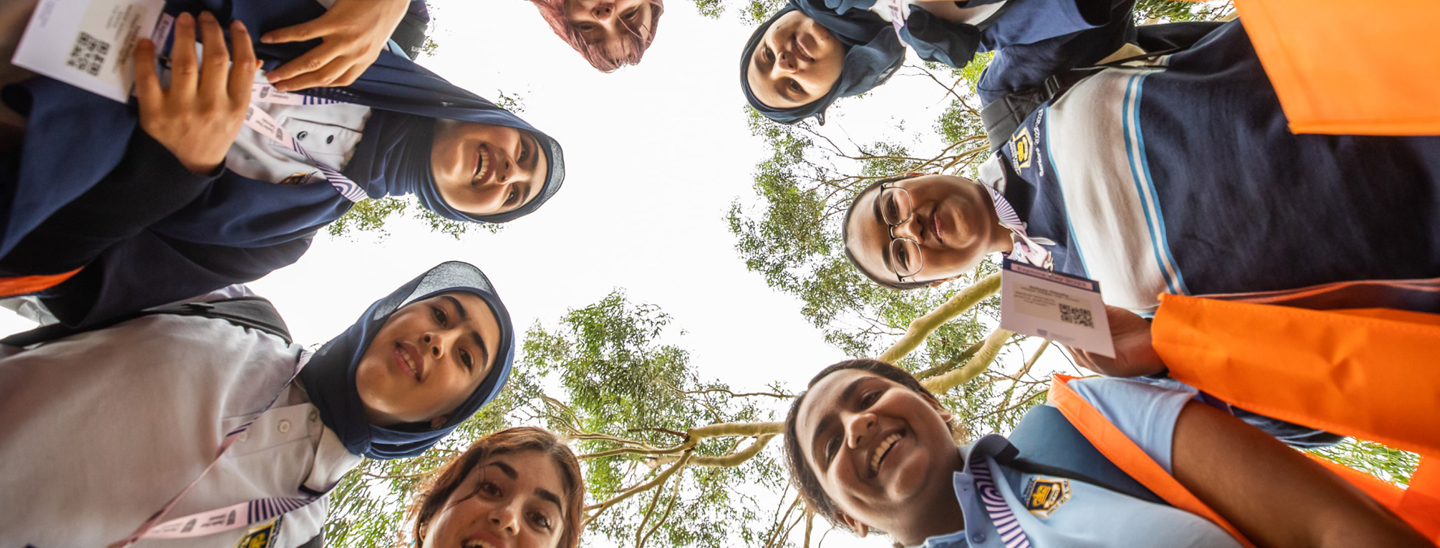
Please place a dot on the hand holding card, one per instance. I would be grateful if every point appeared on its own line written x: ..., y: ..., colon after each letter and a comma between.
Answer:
x: 1134, y: 354
x: 198, y: 117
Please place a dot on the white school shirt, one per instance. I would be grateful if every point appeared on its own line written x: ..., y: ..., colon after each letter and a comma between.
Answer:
x: 328, y: 132
x: 973, y: 16
x: 102, y: 428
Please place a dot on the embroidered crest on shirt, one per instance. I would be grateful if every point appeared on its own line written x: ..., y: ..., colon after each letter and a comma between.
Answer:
x: 262, y: 535
x: 1022, y: 147
x: 1045, y: 495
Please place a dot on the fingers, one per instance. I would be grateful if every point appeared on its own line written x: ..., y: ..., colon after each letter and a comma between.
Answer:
x: 242, y: 72
x: 214, y: 75
x: 183, y: 69
x: 308, y: 30
x: 316, y: 68
x: 147, y: 84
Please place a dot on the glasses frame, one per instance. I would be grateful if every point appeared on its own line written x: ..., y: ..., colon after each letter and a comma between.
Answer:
x: 890, y: 229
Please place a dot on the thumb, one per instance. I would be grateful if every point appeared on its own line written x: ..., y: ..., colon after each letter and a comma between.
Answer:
x: 309, y: 30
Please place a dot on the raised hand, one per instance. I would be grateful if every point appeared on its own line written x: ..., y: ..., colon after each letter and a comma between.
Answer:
x: 199, y: 115
x: 352, y: 34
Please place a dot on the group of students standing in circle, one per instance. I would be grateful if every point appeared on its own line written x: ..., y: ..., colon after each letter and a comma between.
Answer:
x: 1154, y: 159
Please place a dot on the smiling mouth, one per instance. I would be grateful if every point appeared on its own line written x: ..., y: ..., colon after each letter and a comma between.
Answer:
x: 477, y: 543
x: 407, y: 361
x: 935, y: 227
x: 800, y: 50
x: 484, y: 165
x: 882, y: 450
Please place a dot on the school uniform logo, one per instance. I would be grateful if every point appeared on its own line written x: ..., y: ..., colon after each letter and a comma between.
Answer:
x: 1022, y: 148
x: 1043, y: 496
x: 298, y: 178
x: 263, y: 535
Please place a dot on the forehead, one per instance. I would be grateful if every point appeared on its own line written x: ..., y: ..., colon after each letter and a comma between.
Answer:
x: 866, y: 235
x: 533, y: 470
x: 824, y: 399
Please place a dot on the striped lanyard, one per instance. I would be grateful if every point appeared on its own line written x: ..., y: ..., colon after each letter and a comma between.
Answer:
x: 260, y: 121
x: 1026, y: 250
x: 229, y: 517
x: 1001, y: 515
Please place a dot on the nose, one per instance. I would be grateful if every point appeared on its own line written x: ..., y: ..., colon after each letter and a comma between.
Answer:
x: 911, y: 228
x: 603, y: 11
x: 438, y: 344
x: 857, y: 428
x: 506, y: 518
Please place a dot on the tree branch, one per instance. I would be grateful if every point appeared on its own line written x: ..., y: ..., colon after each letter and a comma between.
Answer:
x: 923, y: 326
x: 596, y: 509
x: 972, y: 368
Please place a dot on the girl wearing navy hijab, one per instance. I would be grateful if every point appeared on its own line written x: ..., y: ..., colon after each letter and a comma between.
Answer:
x: 110, y: 424
x: 154, y: 211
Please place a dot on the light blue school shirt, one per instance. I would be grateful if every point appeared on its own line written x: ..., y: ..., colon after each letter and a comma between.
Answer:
x: 993, y: 497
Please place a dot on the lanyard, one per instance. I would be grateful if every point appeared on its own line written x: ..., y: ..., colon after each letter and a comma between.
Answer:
x: 223, y: 519
x: 1026, y: 250
x: 261, y: 122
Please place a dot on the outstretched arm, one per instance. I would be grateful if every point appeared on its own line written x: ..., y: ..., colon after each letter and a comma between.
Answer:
x: 1273, y: 494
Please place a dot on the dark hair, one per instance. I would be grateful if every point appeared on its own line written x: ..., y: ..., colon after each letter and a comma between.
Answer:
x: 845, y: 241
x: 434, y: 496
x: 554, y: 13
x: 800, y: 473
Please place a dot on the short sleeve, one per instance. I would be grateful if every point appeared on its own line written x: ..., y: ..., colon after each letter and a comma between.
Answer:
x: 1143, y: 409
x: 1031, y: 21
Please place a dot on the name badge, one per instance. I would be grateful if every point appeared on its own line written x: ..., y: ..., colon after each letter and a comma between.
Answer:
x: 88, y: 43
x: 1063, y: 308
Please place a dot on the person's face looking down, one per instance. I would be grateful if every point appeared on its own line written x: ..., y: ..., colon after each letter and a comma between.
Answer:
x: 796, y: 62
x: 483, y: 169
x: 427, y: 359
x: 512, y: 500
x: 881, y: 451
x: 612, y: 26
x: 924, y: 229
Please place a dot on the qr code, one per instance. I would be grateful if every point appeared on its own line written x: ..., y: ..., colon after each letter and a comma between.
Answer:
x: 88, y: 54
x: 1077, y: 316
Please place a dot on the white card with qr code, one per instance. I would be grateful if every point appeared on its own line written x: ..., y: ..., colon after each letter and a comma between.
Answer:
x: 1063, y: 308
x: 88, y: 43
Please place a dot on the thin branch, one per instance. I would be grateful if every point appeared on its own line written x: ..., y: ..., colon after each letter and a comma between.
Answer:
x: 680, y: 435
x: 923, y: 326
x: 596, y: 509
x: 739, y: 395
x: 674, y: 496
x: 972, y: 368
x: 649, y: 511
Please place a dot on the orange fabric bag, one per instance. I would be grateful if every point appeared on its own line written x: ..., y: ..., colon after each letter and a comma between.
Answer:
x: 1346, y: 68
x: 24, y: 285
x: 1367, y: 373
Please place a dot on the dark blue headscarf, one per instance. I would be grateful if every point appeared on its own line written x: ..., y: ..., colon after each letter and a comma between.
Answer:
x: 874, y: 50
x: 329, y: 378
x: 872, y: 54
x: 75, y: 138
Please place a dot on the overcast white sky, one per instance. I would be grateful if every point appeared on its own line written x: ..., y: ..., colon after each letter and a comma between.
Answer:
x: 655, y: 154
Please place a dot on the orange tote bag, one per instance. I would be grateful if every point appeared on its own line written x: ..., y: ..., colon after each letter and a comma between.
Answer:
x: 1348, y: 68
x: 24, y: 285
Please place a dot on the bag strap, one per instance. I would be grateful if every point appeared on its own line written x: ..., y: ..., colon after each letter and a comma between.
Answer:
x: 1050, y: 445
x: 252, y: 312
x: 1005, y: 115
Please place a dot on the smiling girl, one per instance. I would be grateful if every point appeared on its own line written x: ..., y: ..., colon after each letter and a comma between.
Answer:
x: 185, y: 196
x: 516, y: 488
x: 872, y: 450
x: 609, y: 33
x: 156, y: 395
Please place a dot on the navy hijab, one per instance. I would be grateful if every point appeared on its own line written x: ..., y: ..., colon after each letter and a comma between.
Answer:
x: 71, y: 144
x: 872, y: 54
x: 329, y: 378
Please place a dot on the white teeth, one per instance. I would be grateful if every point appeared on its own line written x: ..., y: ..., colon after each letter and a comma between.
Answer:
x: 406, y: 356
x: 477, y: 543
x: 881, y: 449
x: 480, y: 166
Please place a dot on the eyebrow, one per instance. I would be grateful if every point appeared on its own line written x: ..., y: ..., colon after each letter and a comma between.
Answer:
x: 547, y: 495
x: 506, y: 469
x: 829, y: 420
x: 479, y: 343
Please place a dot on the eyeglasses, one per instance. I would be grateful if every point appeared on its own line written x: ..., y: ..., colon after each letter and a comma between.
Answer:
x: 895, y: 207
